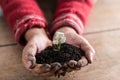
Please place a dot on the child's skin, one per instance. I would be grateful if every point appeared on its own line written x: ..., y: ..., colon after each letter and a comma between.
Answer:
x: 38, y: 40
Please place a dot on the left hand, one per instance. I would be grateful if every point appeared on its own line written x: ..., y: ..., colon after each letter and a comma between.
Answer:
x: 37, y: 40
x: 77, y: 40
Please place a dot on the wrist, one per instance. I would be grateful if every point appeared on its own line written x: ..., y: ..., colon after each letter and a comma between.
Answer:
x: 33, y: 32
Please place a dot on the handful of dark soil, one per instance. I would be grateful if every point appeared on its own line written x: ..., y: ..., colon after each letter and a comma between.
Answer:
x: 67, y: 52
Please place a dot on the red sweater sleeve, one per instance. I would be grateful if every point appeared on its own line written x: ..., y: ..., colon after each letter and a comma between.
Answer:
x: 72, y: 13
x: 22, y: 15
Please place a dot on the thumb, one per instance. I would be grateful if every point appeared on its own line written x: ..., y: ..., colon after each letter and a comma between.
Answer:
x: 43, y: 45
x: 28, y: 56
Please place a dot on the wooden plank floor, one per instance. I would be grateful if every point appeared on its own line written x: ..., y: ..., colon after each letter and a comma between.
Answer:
x: 103, y: 32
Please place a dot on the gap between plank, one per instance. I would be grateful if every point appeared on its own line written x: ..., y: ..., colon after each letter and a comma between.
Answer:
x: 95, y: 32
x: 88, y: 33
x: 9, y: 44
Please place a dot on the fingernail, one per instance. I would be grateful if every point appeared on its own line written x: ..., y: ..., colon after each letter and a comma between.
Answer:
x: 72, y: 63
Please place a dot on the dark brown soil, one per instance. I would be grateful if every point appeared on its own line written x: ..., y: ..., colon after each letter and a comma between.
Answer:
x: 67, y: 52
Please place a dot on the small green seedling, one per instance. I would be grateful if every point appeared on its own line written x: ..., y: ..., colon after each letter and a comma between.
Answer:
x: 58, y: 40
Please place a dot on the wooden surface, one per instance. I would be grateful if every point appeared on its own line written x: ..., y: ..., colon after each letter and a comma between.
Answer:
x: 102, y: 31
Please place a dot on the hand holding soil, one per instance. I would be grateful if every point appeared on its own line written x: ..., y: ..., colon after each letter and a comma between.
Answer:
x: 43, y: 59
x: 75, y: 53
x: 77, y: 40
x: 74, y: 39
x: 37, y: 41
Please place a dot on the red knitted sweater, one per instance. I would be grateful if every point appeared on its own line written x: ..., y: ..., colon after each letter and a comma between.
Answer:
x: 22, y: 15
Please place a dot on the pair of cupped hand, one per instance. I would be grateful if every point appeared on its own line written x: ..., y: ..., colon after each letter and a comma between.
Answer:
x: 37, y: 40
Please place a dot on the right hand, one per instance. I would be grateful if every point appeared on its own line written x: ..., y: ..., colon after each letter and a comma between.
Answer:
x: 76, y: 40
x: 37, y: 40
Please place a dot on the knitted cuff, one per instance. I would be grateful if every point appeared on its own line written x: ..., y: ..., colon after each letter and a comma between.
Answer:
x: 68, y: 19
x: 26, y: 23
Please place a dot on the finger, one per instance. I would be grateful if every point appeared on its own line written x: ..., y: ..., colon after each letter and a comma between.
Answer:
x: 32, y: 61
x: 89, y: 51
x: 82, y: 62
x: 28, y: 56
x: 61, y: 72
x: 67, y: 68
x: 55, y: 67
x: 72, y: 64
x: 41, y: 68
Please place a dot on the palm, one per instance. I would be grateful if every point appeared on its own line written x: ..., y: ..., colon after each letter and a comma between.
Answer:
x: 35, y: 45
x: 80, y: 42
